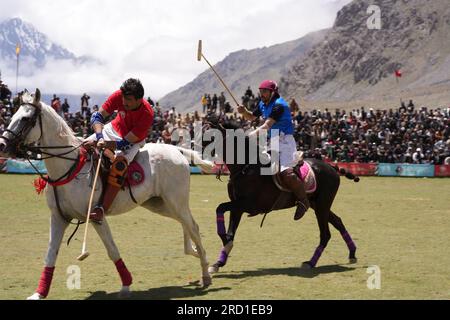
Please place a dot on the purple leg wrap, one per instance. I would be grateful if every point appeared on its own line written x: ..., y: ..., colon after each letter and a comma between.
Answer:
x: 220, y: 219
x: 223, y: 257
x: 349, y: 241
x: 316, y: 256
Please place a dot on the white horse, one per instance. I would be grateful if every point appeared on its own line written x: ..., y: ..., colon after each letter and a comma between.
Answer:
x: 164, y: 191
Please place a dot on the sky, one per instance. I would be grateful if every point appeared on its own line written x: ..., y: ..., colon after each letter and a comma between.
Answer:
x: 156, y: 41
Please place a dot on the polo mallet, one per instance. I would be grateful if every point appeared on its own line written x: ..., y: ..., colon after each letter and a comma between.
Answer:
x: 84, y: 253
x: 199, y: 58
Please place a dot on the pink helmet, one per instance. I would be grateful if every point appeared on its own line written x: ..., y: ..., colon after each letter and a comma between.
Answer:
x: 269, y: 85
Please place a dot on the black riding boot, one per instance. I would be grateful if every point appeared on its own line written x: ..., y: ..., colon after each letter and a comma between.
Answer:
x: 292, y: 182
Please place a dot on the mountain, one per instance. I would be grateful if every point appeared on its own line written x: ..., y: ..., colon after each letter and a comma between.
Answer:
x: 34, y: 44
x: 241, y: 69
x: 37, y: 49
x: 356, y: 65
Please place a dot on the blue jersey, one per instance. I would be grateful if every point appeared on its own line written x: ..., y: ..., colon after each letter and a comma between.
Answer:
x: 283, y: 120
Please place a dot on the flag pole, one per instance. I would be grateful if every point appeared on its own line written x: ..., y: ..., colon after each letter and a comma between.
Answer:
x: 397, y: 75
x: 17, y: 69
x: 398, y: 87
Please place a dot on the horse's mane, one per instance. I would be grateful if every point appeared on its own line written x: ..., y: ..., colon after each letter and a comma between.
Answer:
x: 63, y: 128
x: 217, y: 121
x: 231, y: 124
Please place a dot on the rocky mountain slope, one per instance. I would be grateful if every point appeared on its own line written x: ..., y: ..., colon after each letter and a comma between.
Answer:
x: 241, y: 69
x: 355, y: 64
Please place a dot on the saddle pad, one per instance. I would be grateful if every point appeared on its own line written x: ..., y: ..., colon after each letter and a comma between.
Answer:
x: 135, y: 175
x: 308, y: 177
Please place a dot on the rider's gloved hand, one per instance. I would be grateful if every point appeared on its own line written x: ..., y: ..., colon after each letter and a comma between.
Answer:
x: 89, y: 144
x: 102, y: 144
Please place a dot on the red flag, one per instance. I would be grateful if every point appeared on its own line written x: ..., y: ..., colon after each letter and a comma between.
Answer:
x: 398, y: 73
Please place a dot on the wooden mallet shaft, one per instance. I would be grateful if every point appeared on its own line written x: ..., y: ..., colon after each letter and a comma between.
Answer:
x: 199, y: 58
x: 84, y: 253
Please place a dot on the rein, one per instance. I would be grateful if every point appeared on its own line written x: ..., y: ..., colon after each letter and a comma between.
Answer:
x: 29, y: 149
x: 69, y: 175
x: 37, y: 150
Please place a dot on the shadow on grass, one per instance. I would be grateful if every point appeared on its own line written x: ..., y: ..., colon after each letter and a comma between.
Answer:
x: 163, y: 293
x: 290, y: 271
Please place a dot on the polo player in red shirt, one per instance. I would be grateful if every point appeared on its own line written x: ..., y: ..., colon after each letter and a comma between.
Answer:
x: 124, y: 135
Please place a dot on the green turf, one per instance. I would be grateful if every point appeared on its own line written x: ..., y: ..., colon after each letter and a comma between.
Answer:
x: 399, y: 224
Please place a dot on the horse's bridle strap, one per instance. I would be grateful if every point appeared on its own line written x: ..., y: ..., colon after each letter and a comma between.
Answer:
x: 71, y: 173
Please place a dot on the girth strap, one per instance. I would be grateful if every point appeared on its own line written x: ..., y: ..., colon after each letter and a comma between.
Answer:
x: 65, y: 218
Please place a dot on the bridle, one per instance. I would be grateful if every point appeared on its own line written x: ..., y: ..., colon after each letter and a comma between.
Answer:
x: 16, y: 145
x: 219, y: 126
x: 206, y: 126
x: 32, y: 150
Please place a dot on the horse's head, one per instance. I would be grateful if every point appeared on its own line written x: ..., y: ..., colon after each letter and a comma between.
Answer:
x: 23, y: 129
x: 212, y: 120
x: 229, y: 140
x: 215, y: 127
x: 211, y: 130
x: 220, y: 122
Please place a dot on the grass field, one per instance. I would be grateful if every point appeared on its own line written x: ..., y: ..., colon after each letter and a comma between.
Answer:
x: 401, y: 225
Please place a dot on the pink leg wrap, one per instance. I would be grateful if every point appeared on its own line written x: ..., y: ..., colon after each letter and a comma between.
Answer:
x: 45, y: 281
x: 125, y: 275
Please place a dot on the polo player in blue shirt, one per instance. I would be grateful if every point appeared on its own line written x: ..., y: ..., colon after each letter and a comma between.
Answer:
x: 277, y: 116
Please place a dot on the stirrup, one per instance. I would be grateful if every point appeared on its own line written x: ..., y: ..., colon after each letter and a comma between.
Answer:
x: 97, y: 217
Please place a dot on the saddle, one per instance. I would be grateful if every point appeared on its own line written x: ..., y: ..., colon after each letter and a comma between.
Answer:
x: 305, y: 173
x: 302, y: 169
x: 135, y: 173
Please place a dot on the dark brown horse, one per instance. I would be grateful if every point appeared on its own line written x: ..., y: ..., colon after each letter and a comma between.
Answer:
x: 253, y: 193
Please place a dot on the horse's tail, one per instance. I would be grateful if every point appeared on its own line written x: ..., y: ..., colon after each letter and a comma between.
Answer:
x: 346, y: 173
x: 195, y: 158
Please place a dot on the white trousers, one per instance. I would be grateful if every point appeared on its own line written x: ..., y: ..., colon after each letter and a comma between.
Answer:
x: 109, y: 134
x: 286, y: 150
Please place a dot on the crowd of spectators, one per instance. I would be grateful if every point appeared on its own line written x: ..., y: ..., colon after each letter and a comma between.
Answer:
x: 403, y: 135
x: 217, y: 101
x: 407, y: 134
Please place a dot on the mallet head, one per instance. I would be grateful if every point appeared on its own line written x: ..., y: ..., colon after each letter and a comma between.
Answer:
x: 199, y: 51
x: 83, y: 256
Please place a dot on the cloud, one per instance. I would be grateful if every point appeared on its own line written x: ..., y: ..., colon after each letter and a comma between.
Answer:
x: 156, y: 41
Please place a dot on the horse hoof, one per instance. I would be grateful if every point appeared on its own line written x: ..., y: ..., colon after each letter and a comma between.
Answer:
x: 194, y: 251
x: 353, y: 260
x: 35, y: 296
x: 306, y: 266
x: 206, y: 281
x: 213, y: 269
x: 125, y: 292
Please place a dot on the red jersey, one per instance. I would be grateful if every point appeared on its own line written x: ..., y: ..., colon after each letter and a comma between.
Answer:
x: 137, y: 121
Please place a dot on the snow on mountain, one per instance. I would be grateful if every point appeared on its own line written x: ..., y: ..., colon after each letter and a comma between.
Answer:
x: 34, y: 44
